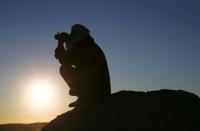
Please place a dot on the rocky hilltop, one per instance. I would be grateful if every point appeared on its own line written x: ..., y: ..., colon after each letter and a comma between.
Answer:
x: 163, y: 110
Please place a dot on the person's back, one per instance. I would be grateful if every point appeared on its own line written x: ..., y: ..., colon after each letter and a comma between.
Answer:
x: 91, y: 64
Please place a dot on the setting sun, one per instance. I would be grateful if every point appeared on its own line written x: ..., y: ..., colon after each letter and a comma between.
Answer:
x: 42, y: 98
x: 40, y: 92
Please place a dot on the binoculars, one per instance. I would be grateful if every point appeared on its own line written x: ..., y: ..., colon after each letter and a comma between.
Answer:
x: 64, y: 36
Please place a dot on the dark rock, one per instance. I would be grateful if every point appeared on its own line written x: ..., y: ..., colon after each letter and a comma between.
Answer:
x: 164, y: 110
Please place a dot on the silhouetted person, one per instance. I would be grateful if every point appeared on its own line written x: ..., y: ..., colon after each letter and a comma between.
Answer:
x: 83, y: 66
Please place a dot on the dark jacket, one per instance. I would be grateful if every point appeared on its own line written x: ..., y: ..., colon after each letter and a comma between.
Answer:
x: 90, y: 64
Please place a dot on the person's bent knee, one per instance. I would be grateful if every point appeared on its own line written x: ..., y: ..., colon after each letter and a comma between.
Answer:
x: 68, y: 73
x: 62, y: 70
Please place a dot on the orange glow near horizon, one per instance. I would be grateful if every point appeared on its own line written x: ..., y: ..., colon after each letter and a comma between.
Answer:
x: 36, y: 97
x: 40, y: 99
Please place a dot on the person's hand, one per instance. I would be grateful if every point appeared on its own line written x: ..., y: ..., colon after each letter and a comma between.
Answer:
x: 59, y: 52
x: 62, y: 37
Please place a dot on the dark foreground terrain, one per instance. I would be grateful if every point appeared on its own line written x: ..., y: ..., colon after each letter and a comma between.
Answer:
x: 163, y: 110
x: 22, y: 127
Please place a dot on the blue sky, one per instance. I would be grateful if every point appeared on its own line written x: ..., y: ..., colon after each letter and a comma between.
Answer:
x: 149, y: 44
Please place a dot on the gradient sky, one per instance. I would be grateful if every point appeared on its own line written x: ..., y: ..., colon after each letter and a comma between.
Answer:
x: 149, y: 45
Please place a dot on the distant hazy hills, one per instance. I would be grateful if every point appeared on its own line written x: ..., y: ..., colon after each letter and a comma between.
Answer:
x: 22, y: 127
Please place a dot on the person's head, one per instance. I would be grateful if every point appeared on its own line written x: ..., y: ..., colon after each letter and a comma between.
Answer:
x: 79, y: 31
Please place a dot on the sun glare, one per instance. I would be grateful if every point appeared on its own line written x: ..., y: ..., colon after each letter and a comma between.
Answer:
x: 41, y: 98
x: 40, y: 92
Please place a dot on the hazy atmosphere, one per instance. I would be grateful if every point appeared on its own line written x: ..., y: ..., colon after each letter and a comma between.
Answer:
x: 149, y: 45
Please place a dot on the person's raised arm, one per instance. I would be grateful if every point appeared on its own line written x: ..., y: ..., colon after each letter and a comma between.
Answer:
x: 60, y: 51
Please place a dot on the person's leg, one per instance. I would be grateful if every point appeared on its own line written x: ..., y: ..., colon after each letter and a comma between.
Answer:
x: 70, y: 76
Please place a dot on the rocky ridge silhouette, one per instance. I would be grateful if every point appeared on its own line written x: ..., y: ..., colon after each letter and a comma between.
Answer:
x: 163, y: 110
